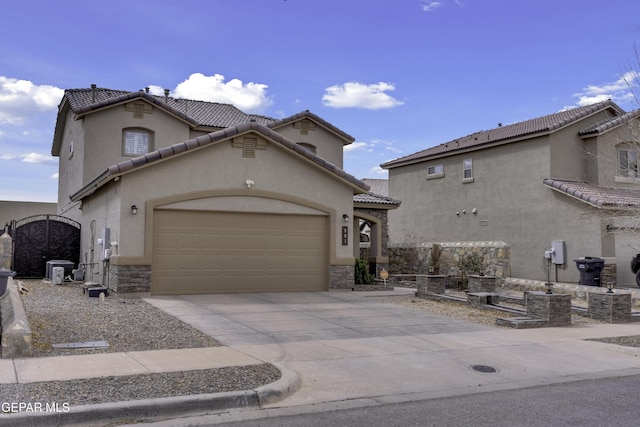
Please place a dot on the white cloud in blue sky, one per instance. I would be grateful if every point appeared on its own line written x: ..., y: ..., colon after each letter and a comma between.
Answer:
x: 18, y: 99
x: 400, y: 77
x: 360, y: 95
x: 250, y: 97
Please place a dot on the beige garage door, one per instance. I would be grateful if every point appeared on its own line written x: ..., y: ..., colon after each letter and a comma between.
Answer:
x: 198, y: 252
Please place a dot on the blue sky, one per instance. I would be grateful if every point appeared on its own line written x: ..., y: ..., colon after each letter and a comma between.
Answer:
x: 398, y: 75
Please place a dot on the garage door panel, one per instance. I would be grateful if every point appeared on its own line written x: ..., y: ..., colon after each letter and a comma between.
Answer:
x: 223, y: 252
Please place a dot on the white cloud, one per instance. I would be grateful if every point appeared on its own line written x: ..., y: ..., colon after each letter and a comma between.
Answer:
x: 378, y: 171
x: 37, y: 158
x: 54, y: 176
x: 18, y: 99
x: 431, y: 6
x: 7, y: 157
x: 356, y: 146
x: 250, y: 97
x: 359, y: 95
x: 619, y: 91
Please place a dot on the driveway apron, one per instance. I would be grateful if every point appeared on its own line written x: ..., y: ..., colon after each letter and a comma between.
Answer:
x: 351, y: 345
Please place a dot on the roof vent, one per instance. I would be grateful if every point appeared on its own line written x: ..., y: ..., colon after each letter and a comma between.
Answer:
x: 93, y: 92
x: 146, y: 89
x: 166, y: 95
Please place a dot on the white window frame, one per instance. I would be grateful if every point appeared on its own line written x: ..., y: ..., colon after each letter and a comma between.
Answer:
x: 136, y: 142
x: 467, y: 170
x: 435, y: 171
x: 628, y: 170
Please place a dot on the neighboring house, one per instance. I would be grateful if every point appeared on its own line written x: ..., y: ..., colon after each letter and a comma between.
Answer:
x: 179, y: 196
x: 13, y: 211
x: 570, y: 176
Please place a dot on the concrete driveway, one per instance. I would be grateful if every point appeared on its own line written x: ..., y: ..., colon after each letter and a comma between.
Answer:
x: 351, y: 347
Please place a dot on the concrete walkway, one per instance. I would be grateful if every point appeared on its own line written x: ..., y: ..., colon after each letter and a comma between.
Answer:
x: 338, y: 347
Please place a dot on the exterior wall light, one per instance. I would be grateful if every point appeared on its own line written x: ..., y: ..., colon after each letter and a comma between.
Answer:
x: 609, y: 287
x: 134, y: 209
x: 345, y: 217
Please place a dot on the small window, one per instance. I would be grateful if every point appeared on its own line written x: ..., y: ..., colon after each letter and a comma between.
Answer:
x: 71, y: 149
x: 435, y: 171
x: 136, y: 142
x: 467, y: 170
x: 627, y: 163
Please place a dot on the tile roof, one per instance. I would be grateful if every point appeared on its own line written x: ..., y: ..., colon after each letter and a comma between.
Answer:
x: 201, y: 113
x: 375, y: 199
x: 597, y: 196
x: 378, y: 186
x: 309, y: 115
x: 526, y: 129
x: 610, y: 123
x: 204, y: 140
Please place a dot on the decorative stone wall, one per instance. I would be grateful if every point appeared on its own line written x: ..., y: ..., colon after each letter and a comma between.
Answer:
x: 610, y: 307
x: 342, y: 276
x: 432, y: 284
x: 555, y: 309
x: 130, y: 278
x: 608, y: 275
x: 481, y: 284
x: 414, y: 258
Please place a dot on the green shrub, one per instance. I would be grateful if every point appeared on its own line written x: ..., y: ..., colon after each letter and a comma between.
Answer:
x: 362, y: 272
x: 472, y: 263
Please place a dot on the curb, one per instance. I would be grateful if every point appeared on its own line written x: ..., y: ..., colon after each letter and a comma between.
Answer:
x: 288, y: 383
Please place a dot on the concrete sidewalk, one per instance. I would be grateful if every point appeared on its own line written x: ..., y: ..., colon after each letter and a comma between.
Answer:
x: 65, y: 368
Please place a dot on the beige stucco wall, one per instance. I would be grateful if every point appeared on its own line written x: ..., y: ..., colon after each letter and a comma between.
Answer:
x: 103, y: 135
x: 511, y: 202
x: 328, y: 145
x: 214, y: 178
x: 10, y: 210
x: 71, y: 164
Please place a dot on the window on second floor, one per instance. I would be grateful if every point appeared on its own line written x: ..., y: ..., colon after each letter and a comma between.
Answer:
x: 136, y: 142
x: 467, y: 170
x: 435, y: 171
x: 627, y: 162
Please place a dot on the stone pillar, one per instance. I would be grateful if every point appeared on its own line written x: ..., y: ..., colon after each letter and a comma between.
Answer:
x: 552, y: 308
x: 430, y: 284
x: 6, y: 251
x: 479, y: 284
x: 609, y: 307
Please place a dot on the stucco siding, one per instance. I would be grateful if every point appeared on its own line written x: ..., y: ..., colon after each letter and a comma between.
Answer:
x: 328, y: 145
x: 510, y: 201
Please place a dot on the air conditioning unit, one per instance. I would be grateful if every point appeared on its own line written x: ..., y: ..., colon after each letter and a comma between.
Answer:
x: 58, y: 276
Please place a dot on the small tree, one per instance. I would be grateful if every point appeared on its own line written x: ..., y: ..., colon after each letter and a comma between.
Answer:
x: 472, y: 263
x: 362, y: 275
x: 434, y: 258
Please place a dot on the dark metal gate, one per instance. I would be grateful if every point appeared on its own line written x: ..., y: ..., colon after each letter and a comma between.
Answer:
x: 41, y: 238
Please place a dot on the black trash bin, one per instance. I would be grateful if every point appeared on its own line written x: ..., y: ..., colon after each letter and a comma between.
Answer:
x: 590, y: 270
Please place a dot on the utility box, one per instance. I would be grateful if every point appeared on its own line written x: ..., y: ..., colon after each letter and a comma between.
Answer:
x: 558, y: 251
x: 57, y: 278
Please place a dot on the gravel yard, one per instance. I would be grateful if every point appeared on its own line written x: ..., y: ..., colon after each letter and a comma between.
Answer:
x: 62, y: 314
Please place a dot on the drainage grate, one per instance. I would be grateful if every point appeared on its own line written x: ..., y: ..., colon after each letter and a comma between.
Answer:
x: 483, y: 368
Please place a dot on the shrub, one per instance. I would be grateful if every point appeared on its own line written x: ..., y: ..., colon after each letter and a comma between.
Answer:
x: 362, y: 273
x: 434, y: 257
x: 472, y: 263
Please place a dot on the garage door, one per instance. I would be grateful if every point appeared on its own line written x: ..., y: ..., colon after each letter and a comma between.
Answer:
x: 198, y: 252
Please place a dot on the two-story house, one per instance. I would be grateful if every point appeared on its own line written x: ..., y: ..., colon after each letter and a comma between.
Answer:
x: 181, y: 196
x: 570, y: 176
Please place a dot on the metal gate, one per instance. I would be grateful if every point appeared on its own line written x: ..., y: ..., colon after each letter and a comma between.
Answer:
x: 41, y: 238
